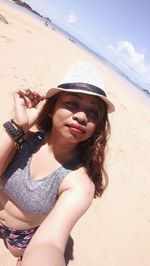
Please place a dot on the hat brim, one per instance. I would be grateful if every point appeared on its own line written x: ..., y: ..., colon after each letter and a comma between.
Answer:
x: 53, y: 91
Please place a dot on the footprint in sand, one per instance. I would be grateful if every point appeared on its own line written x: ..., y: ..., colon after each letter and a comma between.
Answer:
x: 3, y: 19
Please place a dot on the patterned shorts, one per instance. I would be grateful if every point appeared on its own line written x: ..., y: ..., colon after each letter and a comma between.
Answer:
x: 17, y: 238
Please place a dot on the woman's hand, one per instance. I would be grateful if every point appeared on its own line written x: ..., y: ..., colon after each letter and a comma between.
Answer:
x: 27, y: 107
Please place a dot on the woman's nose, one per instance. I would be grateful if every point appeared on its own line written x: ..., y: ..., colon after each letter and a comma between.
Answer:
x: 80, y: 117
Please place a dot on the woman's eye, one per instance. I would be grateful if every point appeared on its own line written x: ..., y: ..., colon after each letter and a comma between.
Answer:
x: 93, y: 113
x: 71, y: 104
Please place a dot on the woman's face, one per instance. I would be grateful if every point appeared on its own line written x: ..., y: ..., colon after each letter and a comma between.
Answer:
x: 75, y: 116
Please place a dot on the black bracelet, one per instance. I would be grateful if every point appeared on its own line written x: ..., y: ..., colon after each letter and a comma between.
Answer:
x: 14, y: 133
x: 18, y: 127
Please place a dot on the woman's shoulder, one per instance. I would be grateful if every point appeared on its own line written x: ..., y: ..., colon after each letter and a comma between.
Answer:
x: 79, y: 181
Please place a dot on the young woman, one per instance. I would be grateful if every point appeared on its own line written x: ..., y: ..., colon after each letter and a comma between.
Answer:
x: 50, y: 176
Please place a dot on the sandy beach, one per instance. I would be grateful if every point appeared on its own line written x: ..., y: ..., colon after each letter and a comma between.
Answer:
x: 115, y: 231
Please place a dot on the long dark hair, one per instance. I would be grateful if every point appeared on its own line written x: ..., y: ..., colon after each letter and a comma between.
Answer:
x: 92, y: 151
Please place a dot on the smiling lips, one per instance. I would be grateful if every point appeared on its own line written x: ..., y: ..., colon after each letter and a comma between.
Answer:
x: 77, y: 128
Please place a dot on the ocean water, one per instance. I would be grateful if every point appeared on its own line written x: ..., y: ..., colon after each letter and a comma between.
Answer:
x: 145, y: 96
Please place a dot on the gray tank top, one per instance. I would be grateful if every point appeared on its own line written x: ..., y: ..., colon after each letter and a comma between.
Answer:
x: 34, y: 196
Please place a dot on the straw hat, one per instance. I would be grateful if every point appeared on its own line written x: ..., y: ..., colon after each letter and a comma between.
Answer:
x: 83, y: 77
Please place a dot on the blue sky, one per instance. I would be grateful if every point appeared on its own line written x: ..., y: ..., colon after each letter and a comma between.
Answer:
x: 116, y: 29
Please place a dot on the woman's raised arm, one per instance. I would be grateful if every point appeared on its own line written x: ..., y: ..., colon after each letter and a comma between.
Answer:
x: 27, y: 107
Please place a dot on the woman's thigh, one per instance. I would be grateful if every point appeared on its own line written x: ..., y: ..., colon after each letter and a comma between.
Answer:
x: 15, y: 251
x: 16, y: 240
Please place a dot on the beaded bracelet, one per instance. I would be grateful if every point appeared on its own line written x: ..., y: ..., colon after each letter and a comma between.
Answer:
x: 14, y: 132
x: 17, y: 126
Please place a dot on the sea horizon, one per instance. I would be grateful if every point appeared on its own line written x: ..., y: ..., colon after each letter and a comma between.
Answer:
x: 49, y: 23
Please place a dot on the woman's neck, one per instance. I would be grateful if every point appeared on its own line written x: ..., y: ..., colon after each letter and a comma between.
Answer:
x: 61, y: 150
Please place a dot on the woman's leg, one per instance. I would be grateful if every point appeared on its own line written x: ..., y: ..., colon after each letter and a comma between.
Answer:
x: 19, y: 260
x: 16, y: 240
x: 16, y: 252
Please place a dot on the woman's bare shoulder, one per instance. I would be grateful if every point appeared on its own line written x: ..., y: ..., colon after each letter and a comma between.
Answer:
x: 79, y: 181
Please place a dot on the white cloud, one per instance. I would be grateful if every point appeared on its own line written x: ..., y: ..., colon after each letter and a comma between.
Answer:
x: 131, y: 58
x: 72, y: 18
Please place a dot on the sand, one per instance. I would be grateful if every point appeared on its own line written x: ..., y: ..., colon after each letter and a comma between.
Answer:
x: 115, y: 231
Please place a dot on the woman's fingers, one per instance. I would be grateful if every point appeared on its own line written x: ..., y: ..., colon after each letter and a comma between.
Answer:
x: 28, y: 97
x: 33, y: 94
x: 33, y: 113
x: 28, y: 106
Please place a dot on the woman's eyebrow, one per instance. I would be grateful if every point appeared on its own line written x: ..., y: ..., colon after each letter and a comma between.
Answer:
x: 79, y: 96
x: 73, y: 94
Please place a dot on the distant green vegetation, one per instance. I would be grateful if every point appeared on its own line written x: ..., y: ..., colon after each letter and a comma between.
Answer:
x: 21, y: 3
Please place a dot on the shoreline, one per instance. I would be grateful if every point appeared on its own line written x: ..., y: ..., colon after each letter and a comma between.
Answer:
x: 52, y: 26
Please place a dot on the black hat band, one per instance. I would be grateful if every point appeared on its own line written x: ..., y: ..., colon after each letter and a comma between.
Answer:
x: 82, y: 86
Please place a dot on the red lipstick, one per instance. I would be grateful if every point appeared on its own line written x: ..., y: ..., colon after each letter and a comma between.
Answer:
x: 77, y: 128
